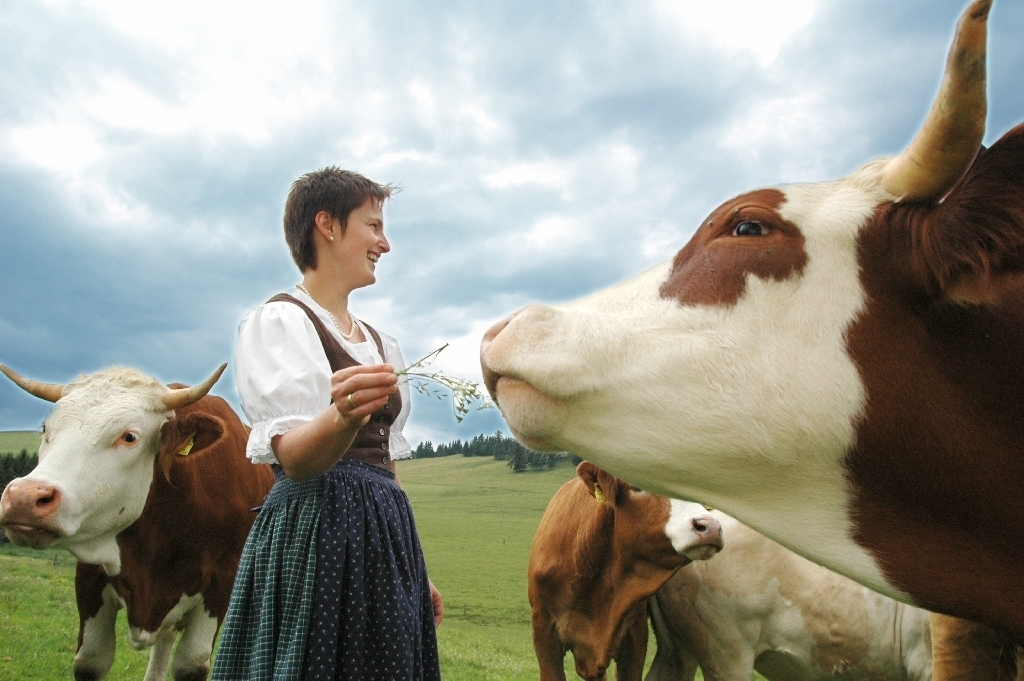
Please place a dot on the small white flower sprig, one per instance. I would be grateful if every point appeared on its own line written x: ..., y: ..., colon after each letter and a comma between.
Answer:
x: 464, y: 392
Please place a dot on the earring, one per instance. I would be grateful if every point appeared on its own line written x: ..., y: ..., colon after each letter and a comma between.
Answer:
x: 330, y: 238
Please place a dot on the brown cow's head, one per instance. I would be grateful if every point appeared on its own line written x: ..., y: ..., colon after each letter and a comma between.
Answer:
x: 800, y: 325
x: 96, y: 462
x: 602, y: 548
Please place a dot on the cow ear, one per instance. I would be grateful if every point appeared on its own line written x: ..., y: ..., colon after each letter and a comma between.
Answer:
x: 970, y: 248
x: 588, y: 473
x: 187, y: 436
x: 611, y: 486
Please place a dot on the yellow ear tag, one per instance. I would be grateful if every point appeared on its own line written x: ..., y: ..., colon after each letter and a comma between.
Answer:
x: 187, y: 447
x: 598, y: 494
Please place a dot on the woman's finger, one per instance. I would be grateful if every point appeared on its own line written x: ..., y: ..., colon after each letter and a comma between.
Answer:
x: 356, y: 407
x: 358, y: 369
x: 438, y: 603
x: 358, y: 381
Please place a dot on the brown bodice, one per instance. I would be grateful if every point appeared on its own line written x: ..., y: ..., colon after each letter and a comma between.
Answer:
x: 371, y: 444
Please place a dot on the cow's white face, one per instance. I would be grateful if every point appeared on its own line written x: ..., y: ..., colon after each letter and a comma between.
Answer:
x: 671, y: 380
x: 95, y: 468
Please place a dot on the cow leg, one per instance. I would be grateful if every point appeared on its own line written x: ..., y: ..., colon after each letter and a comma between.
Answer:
x: 672, y: 662
x: 549, y: 648
x: 966, y: 651
x: 98, y: 604
x: 192, y: 657
x: 160, y: 655
x: 632, y: 649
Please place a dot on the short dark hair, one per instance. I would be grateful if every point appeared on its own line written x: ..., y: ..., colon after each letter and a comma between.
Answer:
x: 331, y: 189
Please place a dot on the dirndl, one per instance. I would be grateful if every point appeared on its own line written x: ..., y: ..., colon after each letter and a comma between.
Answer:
x: 266, y: 628
x: 372, y: 613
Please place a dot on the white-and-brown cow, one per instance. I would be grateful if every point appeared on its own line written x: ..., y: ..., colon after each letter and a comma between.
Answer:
x: 760, y: 606
x: 601, y: 549
x: 149, y: 487
x: 838, y: 365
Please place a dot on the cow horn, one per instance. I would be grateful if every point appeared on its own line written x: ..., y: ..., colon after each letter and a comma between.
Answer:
x: 951, y: 135
x: 51, y: 392
x: 176, y: 398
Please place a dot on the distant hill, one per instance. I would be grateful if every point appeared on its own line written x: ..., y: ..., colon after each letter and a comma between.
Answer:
x: 13, y: 441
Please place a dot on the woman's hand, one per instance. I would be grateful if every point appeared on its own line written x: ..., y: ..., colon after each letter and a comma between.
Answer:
x: 435, y: 598
x: 312, y: 448
x: 361, y: 390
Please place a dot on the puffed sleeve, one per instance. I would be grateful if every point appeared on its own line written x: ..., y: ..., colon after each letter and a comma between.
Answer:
x: 281, y: 372
x: 400, y: 447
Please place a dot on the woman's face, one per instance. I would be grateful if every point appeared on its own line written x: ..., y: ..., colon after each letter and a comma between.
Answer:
x: 362, y: 244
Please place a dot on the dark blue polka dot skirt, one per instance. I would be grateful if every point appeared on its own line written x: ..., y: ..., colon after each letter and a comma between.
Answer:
x: 372, y: 614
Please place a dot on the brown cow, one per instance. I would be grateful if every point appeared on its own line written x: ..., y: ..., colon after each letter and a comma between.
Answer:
x: 149, y: 487
x: 836, y: 364
x: 601, y: 549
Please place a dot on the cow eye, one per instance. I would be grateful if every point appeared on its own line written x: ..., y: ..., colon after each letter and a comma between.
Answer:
x: 750, y: 228
x: 129, y: 438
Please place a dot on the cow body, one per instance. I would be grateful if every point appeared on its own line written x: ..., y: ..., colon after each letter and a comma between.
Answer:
x: 837, y: 365
x: 760, y: 606
x: 155, y: 503
x: 601, y: 549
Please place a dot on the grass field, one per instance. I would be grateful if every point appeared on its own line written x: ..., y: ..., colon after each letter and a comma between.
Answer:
x: 13, y: 441
x: 476, y: 520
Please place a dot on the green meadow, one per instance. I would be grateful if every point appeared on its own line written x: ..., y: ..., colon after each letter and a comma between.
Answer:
x: 13, y: 441
x: 476, y: 520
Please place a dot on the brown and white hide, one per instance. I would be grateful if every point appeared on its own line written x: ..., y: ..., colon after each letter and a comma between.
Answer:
x: 601, y: 549
x: 150, y: 488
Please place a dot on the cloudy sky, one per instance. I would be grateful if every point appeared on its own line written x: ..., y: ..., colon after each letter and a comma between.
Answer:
x: 544, y: 150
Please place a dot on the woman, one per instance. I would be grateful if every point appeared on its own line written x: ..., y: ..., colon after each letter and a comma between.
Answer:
x: 332, y: 582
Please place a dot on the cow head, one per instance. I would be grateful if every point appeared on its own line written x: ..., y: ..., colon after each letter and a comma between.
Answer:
x: 96, y: 461
x: 602, y: 548
x: 738, y: 372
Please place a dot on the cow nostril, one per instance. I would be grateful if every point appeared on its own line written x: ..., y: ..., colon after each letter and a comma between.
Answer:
x: 699, y: 527
x: 47, y: 498
x: 497, y: 328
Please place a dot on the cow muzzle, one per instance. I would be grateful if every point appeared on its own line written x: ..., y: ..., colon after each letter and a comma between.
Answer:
x: 590, y: 669
x: 709, y: 539
x: 534, y: 414
x: 491, y: 376
x: 27, y: 513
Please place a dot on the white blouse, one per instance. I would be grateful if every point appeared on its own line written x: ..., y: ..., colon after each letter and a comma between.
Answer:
x: 284, y: 379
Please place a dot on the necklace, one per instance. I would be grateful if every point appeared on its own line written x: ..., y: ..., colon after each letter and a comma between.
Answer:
x: 352, y: 329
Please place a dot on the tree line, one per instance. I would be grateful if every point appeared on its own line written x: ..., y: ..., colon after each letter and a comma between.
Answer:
x: 498, y: 447
x: 16, y: 466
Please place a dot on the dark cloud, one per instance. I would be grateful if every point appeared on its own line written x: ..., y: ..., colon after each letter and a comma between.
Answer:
x: 545, y: 150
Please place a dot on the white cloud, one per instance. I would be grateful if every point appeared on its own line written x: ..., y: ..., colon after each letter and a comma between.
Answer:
x: 58, y: 146
x: 545, y: 173
x: 123, y: 104
x: 761, y: 27
x: 555, y: 232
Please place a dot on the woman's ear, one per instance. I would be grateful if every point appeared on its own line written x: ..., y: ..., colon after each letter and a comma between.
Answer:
x: 325, y: 225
